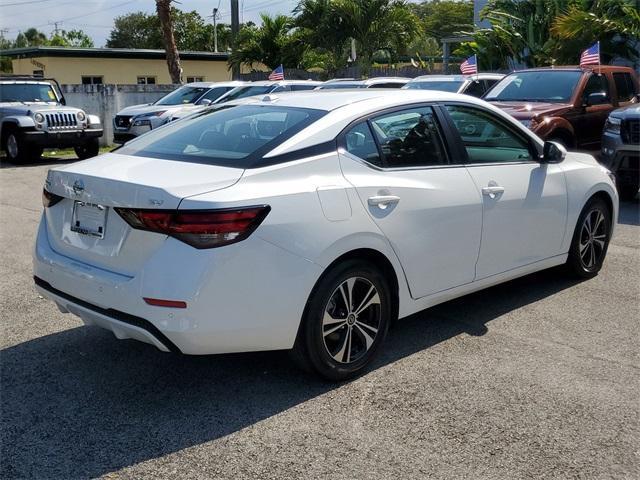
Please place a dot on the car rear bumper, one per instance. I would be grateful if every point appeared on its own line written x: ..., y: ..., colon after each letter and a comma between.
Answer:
x: 243, y: 297
x: 61, y: 139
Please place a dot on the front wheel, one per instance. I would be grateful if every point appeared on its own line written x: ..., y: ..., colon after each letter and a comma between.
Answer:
x: 345, y: 322
x: 18, y: 151
x: 590, y: 239
x: 89, y: 149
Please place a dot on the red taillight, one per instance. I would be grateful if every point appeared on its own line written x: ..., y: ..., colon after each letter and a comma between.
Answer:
x: 199, y: 228
x: 49, y: 199
x: 158, y: 302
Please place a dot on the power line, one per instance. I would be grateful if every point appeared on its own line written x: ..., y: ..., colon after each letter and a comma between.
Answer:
x: 23, y: 3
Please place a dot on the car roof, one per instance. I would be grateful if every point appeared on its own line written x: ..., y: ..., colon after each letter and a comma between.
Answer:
x: 345, y: 106
x: 235, y: 83
x: 268, y: 83
x: 373, y: 80
x: 30, y: 82
x: 457, y: 78
x: 578, y: 68
x: 329, y: 100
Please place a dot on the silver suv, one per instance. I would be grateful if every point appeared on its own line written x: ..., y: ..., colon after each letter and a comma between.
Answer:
x: 34, y: 116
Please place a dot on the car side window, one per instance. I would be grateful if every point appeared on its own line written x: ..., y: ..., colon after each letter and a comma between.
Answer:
x: 486, y: 138
x: 359, y: 142
x: 624, y: 86
x: 410, y: 138
x: 596, y: 84
x: 215, y: 93
x: 475, y: 89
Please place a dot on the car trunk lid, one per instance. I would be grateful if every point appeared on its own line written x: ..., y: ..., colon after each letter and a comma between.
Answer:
x: 84, y: 225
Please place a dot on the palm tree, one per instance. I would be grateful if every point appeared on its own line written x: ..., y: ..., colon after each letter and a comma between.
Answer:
x: 163, y: 7
x: 377, y: 25
x: 615, y: 23
x: 271, y: 44
x: 323, y: 30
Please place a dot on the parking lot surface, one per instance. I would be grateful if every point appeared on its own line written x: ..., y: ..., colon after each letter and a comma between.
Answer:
x: 535, y: 378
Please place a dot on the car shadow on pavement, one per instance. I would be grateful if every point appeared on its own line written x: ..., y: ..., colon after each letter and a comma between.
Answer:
x: 629, y: 213
x: 80, y: 403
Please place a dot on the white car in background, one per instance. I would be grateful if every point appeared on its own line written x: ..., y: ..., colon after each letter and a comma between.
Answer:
x: 375, y: 82
x: 311, y: 222
x: 474, y: 85
x: 138, y: 119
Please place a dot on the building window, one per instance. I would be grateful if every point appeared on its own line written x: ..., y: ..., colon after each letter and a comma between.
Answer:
x: 91, y: 80
x: 195, y: 79
x: 145, y: 80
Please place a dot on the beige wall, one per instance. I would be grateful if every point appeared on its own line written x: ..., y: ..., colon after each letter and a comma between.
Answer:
x: 118, y: 70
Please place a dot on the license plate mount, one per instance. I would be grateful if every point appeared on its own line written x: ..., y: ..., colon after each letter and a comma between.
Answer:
x: 89, y: 219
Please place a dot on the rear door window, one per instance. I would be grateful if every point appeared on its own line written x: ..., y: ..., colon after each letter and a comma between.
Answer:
x: 359, y: 141
x: 475, y: 88
x: 596, y: 84
x: 410, y: 138
x: 624, y: 86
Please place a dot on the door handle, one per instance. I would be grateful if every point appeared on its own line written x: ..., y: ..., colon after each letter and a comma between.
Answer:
x: 383, y: 201
x: 492, y: 191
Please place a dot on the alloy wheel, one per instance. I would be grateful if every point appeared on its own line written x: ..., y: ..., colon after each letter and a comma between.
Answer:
x: 12, y: 146
x: 351, y: 320
x: 593, y: 237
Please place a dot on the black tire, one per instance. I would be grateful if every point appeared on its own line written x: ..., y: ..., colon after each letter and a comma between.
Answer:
x: 627, y: 193
x: 314, y: 346
x: 89, y: 149
x: 590, y: 240
x: 17, y: 150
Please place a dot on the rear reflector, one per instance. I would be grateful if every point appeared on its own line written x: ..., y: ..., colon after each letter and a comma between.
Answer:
x: 157, y: 302
x: 49, y: 199
x: 199, y: 228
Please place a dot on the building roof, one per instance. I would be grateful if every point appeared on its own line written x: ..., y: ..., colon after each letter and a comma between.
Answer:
x: 30, y: 52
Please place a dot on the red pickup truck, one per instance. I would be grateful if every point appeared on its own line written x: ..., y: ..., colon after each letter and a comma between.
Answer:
x: 566, y: 104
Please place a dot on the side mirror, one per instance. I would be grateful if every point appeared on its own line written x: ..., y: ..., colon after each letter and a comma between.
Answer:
x: 553, y: 152
x: 597, y: 98
x: 205, y: 102
x: 63, y: 101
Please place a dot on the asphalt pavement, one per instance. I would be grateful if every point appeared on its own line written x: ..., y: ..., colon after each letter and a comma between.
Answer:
x: 536, y: 378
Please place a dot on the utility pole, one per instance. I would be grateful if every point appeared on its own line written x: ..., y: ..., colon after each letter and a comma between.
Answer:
x: 215, y: 30
x: 235, y: 28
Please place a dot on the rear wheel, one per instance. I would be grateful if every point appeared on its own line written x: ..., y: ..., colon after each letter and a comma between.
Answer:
x: 590, y: 239
x: 89, y: 149
x: 345, y: 322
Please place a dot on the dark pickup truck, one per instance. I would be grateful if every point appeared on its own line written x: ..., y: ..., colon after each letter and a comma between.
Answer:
x: 568, y: 105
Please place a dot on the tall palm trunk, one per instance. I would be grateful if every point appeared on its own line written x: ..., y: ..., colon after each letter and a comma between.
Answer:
x: 163, y: 7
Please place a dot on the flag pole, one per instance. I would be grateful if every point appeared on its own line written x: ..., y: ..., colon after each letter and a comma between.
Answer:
x: 599, y: 69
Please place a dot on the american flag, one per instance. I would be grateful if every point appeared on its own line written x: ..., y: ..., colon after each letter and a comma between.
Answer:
x: 277, y: 74
x: 470, y: 66
x: 591, y: 56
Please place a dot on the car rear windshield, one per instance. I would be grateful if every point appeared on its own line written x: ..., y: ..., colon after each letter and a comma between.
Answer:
x: 231, y: 136
x: 27, y: 92
x: 182, y: 95
x: 442, y: 85
x: 536, y: 86
x: 243, y: 92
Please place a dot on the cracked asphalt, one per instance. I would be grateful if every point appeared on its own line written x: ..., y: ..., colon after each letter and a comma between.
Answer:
x: 537, y: 378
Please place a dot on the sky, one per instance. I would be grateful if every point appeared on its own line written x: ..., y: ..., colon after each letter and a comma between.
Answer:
x: 95, y: 17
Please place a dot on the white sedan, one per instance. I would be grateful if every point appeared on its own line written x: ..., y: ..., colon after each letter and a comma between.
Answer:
x: 311, y: 221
